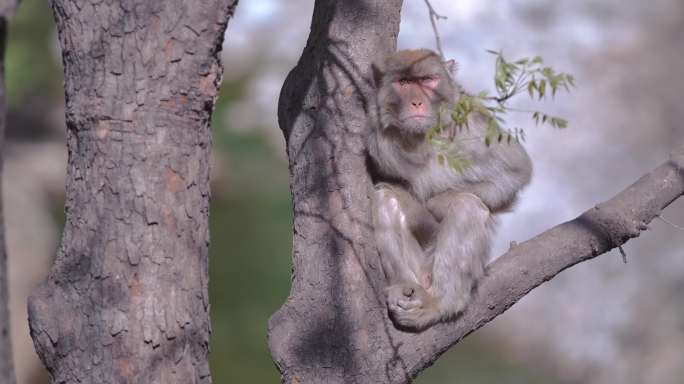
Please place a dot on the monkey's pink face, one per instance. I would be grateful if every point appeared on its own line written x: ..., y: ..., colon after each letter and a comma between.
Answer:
x: 418, y: 100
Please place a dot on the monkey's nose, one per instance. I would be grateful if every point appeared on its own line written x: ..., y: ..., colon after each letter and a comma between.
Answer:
x: 417, y: 103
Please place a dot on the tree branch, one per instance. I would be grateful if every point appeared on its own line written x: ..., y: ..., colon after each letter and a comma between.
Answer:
x: 434, y: 16
x: 673, y: 225
x: 529, y: 264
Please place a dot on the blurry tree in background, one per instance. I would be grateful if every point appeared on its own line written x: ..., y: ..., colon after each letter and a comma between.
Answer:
x: 7, y: 376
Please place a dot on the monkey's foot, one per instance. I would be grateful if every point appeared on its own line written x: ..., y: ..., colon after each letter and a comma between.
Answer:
x: 405, y: 296
x: 410, y: 306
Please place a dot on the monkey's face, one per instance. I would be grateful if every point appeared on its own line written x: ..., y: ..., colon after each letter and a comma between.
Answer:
x: 415, y: 89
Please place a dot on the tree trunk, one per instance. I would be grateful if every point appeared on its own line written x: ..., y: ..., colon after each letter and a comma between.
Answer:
x: 126, y: 300
x: 6, y: 361
x: 334, y: 326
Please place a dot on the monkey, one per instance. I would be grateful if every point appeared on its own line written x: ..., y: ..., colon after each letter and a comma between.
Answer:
x: 433, y: 223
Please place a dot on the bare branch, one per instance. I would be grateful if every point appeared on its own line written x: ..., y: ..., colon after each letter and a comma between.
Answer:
x: 434, y: 16
x: 668, y: 222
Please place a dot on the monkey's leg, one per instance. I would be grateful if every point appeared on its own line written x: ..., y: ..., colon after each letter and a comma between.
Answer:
x: 460, y: 252
x: 395, y: 213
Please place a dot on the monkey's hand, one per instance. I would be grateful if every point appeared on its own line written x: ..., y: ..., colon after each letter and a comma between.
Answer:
x: 411, y: 307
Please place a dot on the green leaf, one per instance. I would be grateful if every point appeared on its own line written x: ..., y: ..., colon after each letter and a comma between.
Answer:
x: 557, y: 122
x: 510, y: 78
x: 531, y: 86
x: 542, y: 88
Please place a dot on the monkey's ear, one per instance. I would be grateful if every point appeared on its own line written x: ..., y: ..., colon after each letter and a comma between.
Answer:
x: 451, y: 66
x: 378, y: 73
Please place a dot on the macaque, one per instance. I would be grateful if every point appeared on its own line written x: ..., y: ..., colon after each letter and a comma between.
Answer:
x: 433, y: 222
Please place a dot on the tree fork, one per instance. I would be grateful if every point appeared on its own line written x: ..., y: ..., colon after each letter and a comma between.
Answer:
x: 126, y: 299
x: 334, y: 326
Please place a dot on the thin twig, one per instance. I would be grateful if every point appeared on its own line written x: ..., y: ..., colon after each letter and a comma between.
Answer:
x: 517, y: 88
x: 434, y: 16
x: 522, y: 110
x: 623, y: 254
x: 670, y: 223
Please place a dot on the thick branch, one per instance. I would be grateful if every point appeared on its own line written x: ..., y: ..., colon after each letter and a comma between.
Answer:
x: 529, y: 264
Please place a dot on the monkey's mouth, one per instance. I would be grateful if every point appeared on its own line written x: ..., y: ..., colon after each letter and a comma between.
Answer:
x: 415, y: 117
x: 417, y: 124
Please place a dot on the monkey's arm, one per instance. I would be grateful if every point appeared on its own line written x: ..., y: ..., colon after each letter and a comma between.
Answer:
x: 501, y: 171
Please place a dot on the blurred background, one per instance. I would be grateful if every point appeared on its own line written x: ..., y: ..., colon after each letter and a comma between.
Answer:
x: 598, y: 323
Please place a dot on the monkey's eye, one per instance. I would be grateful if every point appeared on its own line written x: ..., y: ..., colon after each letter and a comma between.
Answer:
x: 404, y: 81
x: 429, y: 81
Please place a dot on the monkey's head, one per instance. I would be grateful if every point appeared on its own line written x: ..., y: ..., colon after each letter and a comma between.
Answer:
x: 414, y: 88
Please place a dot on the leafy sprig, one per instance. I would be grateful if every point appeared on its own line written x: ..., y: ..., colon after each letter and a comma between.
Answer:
x: 511, y: 78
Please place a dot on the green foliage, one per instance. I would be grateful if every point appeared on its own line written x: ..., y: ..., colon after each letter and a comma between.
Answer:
x: 32, y: 66
x: 447, y: 151
x: 527, y: 75
x: 511, y: 78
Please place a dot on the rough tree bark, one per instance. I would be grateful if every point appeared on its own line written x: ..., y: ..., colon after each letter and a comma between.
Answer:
x: 126, y: 300
x: 334, y: 326
x: 7, y: 8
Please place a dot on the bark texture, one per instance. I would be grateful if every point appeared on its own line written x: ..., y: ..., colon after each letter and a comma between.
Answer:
x: 126, y: 300
x: 334, y: 326
x: 6, y: 361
